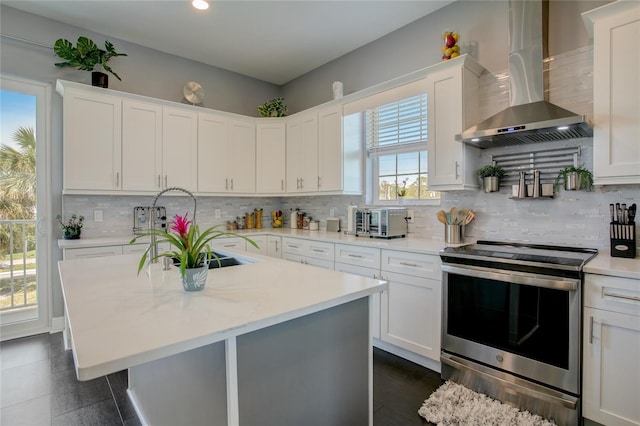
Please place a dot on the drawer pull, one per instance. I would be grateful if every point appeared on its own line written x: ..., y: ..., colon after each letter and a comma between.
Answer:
x: 293, y: 246
x: 413, y: 265
x: 356, y: 256
x: 318, y: 250
x: 621, y: 296
x: 229, y: 245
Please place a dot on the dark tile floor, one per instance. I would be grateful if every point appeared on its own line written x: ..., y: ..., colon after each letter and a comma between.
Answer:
x: 38, y: 386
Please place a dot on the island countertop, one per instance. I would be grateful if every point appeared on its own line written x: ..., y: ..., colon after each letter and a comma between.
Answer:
x: 119, y: 319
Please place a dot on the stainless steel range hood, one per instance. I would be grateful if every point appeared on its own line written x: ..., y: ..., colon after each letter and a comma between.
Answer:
x: 529, y: 118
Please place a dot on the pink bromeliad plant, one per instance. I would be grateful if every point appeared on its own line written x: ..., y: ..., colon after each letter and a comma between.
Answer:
x: 190, y: 247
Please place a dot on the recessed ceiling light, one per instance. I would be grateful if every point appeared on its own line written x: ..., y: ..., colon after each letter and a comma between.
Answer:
x: 200, y: 4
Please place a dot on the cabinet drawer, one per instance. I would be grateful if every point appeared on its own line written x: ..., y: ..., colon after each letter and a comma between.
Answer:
x: 408, y: 263
x: 233, y: 243
x: 294, y: 246
x: 612, y: 294
x: 136, y: 248
x: 78, y: 253
x: 320, y: 250
x: 326, y: 264
x: 357, y: 255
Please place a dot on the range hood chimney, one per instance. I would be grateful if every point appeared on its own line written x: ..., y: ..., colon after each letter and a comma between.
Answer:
x: 529, y: 118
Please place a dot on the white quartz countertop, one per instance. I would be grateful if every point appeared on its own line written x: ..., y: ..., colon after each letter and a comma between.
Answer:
x: 604, y: 264
x: 119, y: 319
x: 409, y: 243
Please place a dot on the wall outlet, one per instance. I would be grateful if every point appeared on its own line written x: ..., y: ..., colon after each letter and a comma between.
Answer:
x: 98, y: 216
x: 410, y: 215
x: 217, y: 213
x: 332, y: 212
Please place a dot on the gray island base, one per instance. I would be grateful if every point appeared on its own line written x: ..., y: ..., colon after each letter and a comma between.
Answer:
x: 266, y: 343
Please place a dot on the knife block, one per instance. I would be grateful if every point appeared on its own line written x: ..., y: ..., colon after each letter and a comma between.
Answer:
x: 623, y: 240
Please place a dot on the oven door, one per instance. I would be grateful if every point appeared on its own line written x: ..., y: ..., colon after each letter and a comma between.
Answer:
x: 375, y: 223
x: 522, y: 323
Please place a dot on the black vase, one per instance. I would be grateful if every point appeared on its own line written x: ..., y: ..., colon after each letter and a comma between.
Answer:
x: 99, y: 79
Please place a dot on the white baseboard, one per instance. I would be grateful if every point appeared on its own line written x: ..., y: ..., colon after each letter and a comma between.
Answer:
x: 403, y: 353
x: 57, y: 325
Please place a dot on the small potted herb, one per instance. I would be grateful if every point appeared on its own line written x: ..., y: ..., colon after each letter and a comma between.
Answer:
x: 71, y: 230
x: 491, y: 175
x: 273, y: 108
x: 88, y: 57
x: 574, y: 178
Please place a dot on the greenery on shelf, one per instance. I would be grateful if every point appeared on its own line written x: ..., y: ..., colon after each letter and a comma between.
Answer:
x: 273, y: 108
x: 584, y: 177
x: 85, y: 55
x: 491, y: 170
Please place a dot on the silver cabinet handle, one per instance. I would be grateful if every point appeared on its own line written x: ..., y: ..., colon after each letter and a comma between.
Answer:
x: 282, y: 184
x: 226, y: 183
x: 232, y: 184
x: 293, y: 246
x: 621, y: 296
x: 318, y: 250
x: 229, y: 245
x: 117, y: 179
x: 166, y: 185
x: 591, y: 329
x: 413, y: 265
x: 159, y: 181
x: 301, y: 183
x: 297, y: 183
x: 457, y: 166
x: 318, y: 181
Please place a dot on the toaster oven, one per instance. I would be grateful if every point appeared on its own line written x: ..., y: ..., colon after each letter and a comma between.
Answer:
x: 385, y: 222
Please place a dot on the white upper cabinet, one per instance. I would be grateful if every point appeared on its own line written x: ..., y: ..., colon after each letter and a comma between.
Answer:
x: 271, y: 149
x: 615, y: 29
x: 179, y: 148
x: 92, y: 141
x: 452, y: 99
x: 226, y: 154
x: 141, y: 146
x: 302, y: 152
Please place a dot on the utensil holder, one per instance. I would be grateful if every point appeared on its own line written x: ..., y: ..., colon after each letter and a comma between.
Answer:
x: 454, y: 234
x: 623, y: 240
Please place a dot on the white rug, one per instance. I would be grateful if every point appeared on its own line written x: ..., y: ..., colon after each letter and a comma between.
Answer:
x: 454, y: 404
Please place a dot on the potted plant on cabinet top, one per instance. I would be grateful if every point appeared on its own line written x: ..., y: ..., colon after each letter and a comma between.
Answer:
x: 574, y: 178
x: 71, y: 230
x: 88, y: 57
x: 273, y: 108
x: 491, y: 175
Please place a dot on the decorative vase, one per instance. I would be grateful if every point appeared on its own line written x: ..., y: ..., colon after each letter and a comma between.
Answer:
x: 194, y: 279
x: 491, y: 183
x: 99, y: 79
x: 71, y: 234
x: 401, y: 199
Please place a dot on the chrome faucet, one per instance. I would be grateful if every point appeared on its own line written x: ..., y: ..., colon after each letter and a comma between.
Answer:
x: 153, y: 252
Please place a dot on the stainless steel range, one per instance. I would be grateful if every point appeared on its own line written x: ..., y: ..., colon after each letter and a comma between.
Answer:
x: 511, y: 324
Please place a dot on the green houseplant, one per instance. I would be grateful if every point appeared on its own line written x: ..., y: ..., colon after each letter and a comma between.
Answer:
x: 71, y: 230
x: 190, y: 247
x: 273, y: 108
x: 88, y: 57
x: 491, y: 175
x: 574, y: 178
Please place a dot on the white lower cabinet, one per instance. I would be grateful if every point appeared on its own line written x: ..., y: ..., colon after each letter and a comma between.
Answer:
x: 370, y: 273
x: 274, y: 246
x: 410, y: 308
x: 232, y: 243
x: 611, y: 350
x: 311, y: 252
x: 261, y: 241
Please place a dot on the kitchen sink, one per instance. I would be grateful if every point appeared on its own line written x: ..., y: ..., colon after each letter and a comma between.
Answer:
x: 224, y: 261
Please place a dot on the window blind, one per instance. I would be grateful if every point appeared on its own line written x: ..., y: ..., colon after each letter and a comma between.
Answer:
x: 397, y: 127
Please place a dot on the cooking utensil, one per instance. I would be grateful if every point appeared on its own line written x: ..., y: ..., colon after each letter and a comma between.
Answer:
x: 442, y: 216
x: 469, y: 217
x: 611, y: 213
x: 452, y: 214
x: 632, y: 213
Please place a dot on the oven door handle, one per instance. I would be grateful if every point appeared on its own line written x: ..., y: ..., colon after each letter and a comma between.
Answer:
x: 544, y: 281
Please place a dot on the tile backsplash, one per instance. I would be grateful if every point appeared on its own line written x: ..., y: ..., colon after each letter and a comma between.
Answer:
x: 577, y: 218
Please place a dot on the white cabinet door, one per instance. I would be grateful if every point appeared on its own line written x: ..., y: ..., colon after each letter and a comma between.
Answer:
x: 179, y: 148
x: 452, y: 107
x: 375, y: 299
x: 330, y: 149
x: 616, y: 97
x: 410, y: 314
x: 271, y: 160
x: 214, y: 167
x: 261, y: 241
x: 611, y: 379
x: 302, y: 153
x: 141, y: 146
x: 242, y: 146
x: 274, y: 246
x: 92, y: 140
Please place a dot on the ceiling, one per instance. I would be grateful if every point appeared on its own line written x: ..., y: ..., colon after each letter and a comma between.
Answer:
x: 274, y: 41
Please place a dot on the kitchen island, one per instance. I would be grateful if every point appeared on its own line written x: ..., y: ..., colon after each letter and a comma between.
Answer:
x: 266, y: 342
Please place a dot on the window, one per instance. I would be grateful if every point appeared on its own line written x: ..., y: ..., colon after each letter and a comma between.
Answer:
x: 396, y: 135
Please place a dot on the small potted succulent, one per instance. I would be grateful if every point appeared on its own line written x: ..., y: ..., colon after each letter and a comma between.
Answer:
x: 88, y: 57
x: 491, y: 175
x: 71, y: 230
x: 574, y: 178
x: 273, y: 108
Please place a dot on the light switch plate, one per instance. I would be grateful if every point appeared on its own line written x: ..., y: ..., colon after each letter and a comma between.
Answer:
x: 217, y: 213
x: 98, y: 216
